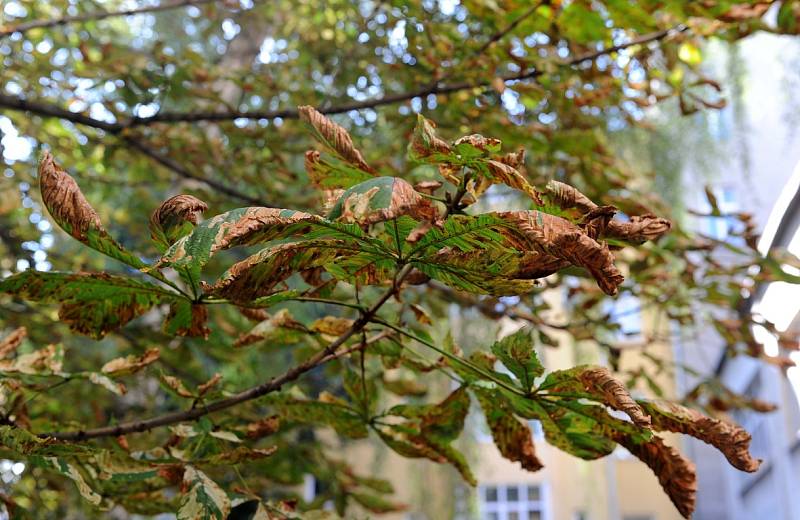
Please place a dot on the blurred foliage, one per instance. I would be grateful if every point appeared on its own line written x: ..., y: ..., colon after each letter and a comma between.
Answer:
x: 201, y: 98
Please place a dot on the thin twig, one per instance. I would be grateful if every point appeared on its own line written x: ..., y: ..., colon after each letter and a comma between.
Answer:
x: 100, y: 15
x: 255, y: 392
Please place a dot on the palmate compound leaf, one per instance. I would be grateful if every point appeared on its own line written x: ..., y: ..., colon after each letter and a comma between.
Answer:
x: 381, y: 199
x: 90, y: 303
x: 202, y: 498
x: 241, y: 226
x: 513, y: 248
x: 73, y: 213
x: 259, y: 274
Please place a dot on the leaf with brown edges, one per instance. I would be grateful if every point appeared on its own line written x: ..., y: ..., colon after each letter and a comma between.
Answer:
x: 731, y: 440
x: 73, y: 213
x: 334, y: 137
x: 175, y: 218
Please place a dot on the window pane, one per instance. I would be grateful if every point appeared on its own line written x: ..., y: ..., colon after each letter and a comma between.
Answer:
x: 534, y: 515
x: 533, y: 493
x: 513, y: 515
x: 491, y: 494
x: 512, y: 494
x: 492, y: 516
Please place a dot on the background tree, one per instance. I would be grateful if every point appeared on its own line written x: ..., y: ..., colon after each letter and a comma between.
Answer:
x: 195, y: 103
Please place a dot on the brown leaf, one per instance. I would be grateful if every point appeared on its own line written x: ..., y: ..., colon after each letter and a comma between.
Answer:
x: 381, y: 199
x: 10, y: 343
x: 566, y: 197
x: 197, y: 326
x: 255, y: 315
x: 731, y: 440
x: 615, y: 393
x: 258, y: 274
x: 167, y: 221
x: 639, y: 229
x: 335, y: 137
x: 131, y: 364
x: 208, y: 385
x: 425, y: 143
x: 262, y: 428
x: 559, y: 239
x: 510, y: 176
x: 675, y: 473
x: 64, y: 200
x: 257, y: 225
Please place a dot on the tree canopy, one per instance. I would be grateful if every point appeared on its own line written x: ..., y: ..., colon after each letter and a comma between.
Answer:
x: 268, y: 210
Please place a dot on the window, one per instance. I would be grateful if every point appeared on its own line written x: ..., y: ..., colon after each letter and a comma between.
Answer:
x: 756, y: 424
x: 511, y: 502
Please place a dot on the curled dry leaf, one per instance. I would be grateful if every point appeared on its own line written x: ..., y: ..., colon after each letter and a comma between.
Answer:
x: 484, y: 144
x: 281, y: 328
x: 614, y: 392
x: 131, y: 364
x: 511, y: 176
x: 174, y: 218
x: 334, y: 137
x: 731, y: 440
x: 675, y: 473
x: 208, y: 385
x: 255, y: 315
x: 73, y: 213
x: 557, y: 238
x: 566, y: 197
x: 381, y: 199
x: 262, y: 428
x: 187, y: 319
x: 424, y: 142
x: 10, y: 343
x: 639, y: 229
x: 258, y: 274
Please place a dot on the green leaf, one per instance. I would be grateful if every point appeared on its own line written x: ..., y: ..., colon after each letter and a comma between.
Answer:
x: 70, y: 471
x: 518, y: 354
x: 90, y: 303
x: 203, y: 499
x: 340, y: 417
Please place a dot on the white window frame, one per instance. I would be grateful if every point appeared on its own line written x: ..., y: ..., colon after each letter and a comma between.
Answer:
x: 522, y: 506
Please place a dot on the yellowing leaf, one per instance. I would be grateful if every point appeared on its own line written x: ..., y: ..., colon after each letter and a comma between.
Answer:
x: 131, y: 364
x: 203, y: 498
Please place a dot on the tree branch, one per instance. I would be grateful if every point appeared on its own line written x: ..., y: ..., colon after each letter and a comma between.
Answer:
x: 101, y: 15
x: 255, y: 392
x: 436, y: 88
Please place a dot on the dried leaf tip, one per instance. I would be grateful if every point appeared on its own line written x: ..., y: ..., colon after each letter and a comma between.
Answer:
x: 425, y: 142
x: 174, y: 217
x: 615, y: 393
x: 65, y: 202
x: 334, y: 137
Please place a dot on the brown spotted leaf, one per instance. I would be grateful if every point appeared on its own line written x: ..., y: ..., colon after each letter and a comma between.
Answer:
x: 238, y: 227
x: 425, y: 143
x: 639, y: 229
x: 91, y: 303
x: 511, y: 436
x: 259, y: 274
x: 555, y: 238
x: 262, y: 428
x: 175, y: 218
x: 187, y: 319
x: 381, y: 199
x: 599, y: 379
x: 73, y: 213
x: 334, y: 137
x: 731, y: 440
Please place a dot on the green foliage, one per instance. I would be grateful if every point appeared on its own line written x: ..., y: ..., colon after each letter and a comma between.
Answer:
x: 341, y: 296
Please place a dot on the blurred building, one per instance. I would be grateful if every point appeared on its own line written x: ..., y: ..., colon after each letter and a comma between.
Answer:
x: 762, y: 179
